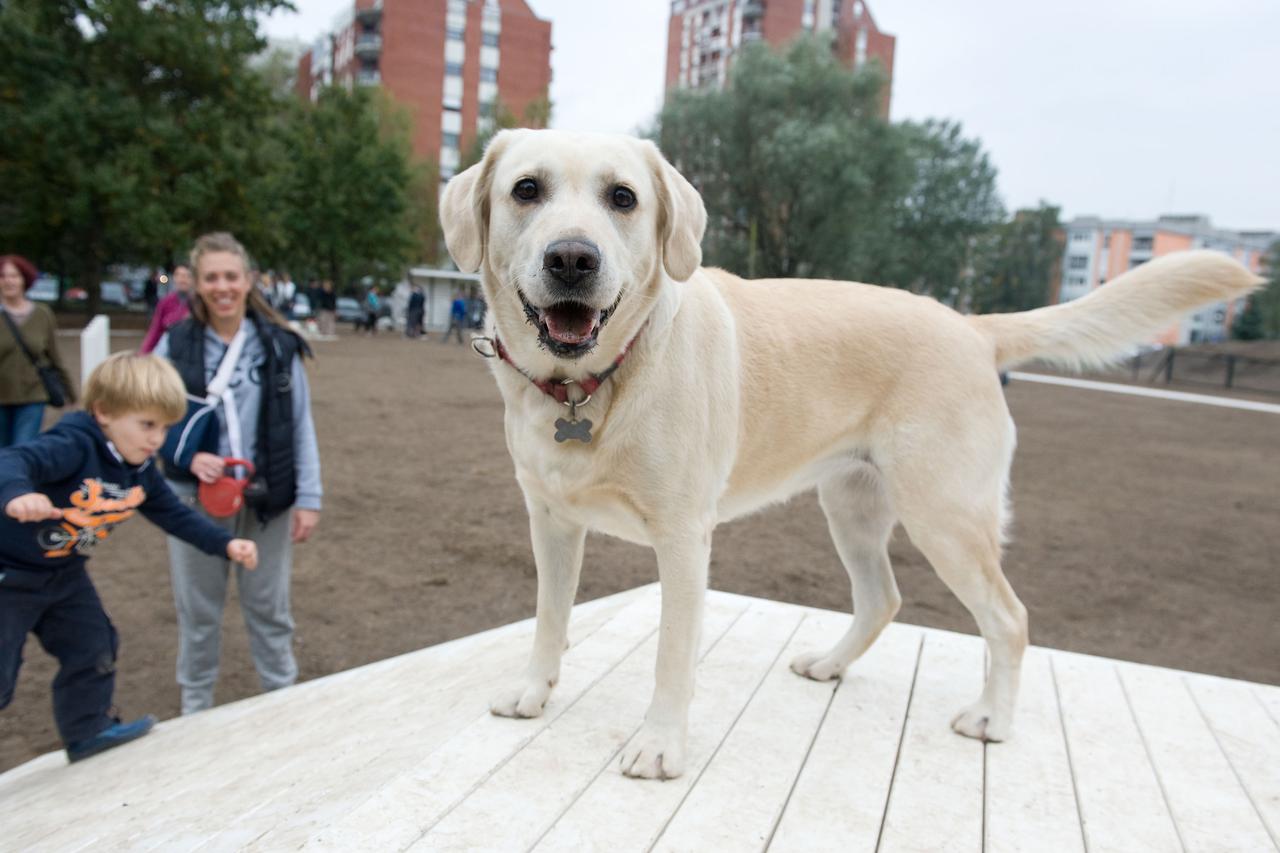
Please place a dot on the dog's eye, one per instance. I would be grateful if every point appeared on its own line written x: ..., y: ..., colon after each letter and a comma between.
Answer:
x: 622, y: 198
x: 526, y: 189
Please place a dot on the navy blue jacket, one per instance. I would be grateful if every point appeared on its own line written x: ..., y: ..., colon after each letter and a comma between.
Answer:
x: 75, y: 465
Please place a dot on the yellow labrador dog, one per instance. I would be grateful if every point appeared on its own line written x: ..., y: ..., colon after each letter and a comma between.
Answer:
x: 651, y: 399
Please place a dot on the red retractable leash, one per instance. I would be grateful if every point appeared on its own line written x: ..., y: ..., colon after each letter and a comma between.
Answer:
x: 225, y: 496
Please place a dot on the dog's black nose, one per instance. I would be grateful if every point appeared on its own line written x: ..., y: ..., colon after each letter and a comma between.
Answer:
x: 571, y: 261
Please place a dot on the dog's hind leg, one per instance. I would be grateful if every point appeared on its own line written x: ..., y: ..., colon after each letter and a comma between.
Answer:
x: 861, y: 520
x: 962, y: 542
x: 557, y: 551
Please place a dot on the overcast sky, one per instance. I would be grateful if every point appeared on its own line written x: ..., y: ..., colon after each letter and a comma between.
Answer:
x: 1121, y: 108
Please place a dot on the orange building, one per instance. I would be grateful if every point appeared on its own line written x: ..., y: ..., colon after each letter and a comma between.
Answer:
x: 448, y: 61
x: 703, y: 36
x: 1099, y: 250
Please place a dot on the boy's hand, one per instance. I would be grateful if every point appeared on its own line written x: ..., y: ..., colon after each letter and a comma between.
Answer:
x: 33, y: 506
x: 244, y: 552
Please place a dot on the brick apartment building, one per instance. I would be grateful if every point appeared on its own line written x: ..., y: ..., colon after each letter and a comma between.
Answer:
x: 1098, y: 250
x: 447, y: 61
x: 704, y: 35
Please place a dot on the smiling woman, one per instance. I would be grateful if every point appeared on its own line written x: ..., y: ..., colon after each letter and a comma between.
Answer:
x: 238, y: 356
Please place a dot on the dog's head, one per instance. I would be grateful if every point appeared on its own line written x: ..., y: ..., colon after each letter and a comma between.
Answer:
x: 572, y: 231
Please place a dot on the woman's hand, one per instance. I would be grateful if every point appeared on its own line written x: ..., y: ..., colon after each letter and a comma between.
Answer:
x: 304, y: 521
x: 33, y: 506
x: 207, y: 467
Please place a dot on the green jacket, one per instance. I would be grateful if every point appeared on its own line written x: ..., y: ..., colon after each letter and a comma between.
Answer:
x: 19, y: 382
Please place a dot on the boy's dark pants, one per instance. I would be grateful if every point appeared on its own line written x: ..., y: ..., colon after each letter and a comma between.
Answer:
x: 64, y: 612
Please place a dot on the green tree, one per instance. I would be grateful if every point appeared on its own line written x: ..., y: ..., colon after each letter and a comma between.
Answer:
x: 353, y: 198
x: 950, y: 203
x: 802, y: 177
x: 1266, y: 302
x: 1249, y: 325
x: 1014, y: 263
x: 130, y: 126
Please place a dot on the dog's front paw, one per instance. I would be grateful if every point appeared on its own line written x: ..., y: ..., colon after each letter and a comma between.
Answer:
x: 656, y: 752
x: 981, y: 722
x: 816, y: 665
x: 525, y: 700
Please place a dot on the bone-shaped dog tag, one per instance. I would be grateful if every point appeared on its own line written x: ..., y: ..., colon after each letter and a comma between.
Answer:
x: 579, y: 429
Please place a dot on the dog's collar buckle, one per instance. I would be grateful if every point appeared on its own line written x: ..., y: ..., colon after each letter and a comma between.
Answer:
x: 491, y: 347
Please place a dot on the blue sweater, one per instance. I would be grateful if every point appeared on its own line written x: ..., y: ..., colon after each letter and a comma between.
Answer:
x: 83, y: 475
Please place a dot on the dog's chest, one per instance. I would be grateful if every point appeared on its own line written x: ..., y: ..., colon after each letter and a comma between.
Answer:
x: 573, y: 487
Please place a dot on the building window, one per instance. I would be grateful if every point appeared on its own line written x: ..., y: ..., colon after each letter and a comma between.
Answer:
x: 486, y: 109
x: 489, y: 39
x: 489, y: 75
x: 453, y: 69
x: 449, y: 140
x: 1077, y: 262
x: 454, y: 33
x: 1143, y: 244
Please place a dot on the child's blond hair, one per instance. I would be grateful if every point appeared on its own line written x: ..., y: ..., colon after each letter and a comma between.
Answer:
x: 130, y: 382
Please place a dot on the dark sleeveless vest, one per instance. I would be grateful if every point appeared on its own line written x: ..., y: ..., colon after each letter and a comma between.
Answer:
x: 274, y: 457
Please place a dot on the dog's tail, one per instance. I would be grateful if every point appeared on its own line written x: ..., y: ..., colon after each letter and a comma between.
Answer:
x: 1098, y: 328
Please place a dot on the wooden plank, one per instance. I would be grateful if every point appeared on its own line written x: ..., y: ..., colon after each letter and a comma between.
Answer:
x: 739, y: 797
x: 68, y: 805
x: 399, y: 813
x: 1030, y: 801
x: 547, y: 775
x: 936, y: 799
x: 1121, y: 805
x: 727, y: 679
x: 839, y: 800
x: 1248, y: 737
x: 1209, y: 805
x: 1269, y: 697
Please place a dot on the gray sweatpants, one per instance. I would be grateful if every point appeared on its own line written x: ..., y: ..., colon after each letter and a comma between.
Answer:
x: 200, y: 590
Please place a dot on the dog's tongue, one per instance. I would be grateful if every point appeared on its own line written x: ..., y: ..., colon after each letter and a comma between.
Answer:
x: 570, y: 322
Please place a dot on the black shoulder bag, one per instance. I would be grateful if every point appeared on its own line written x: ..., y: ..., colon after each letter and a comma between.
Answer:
x: 50, y: 377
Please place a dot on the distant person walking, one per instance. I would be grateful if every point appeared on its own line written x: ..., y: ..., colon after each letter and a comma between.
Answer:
x: 28, y: 334
x: 171, y: 310
x: 327, y: 309
x: 457, y: 317
x: 371, y: 307
x: 415, y: 311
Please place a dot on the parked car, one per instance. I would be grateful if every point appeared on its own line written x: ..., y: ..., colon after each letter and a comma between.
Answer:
x: 300, y: 309
x: 114, y: 293
x: 349, y: 310
x: 44, y: 289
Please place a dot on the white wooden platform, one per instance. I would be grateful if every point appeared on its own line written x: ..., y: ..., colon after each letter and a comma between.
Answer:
x: 402, y: 754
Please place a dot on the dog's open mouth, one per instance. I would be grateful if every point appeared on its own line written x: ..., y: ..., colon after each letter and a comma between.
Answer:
x: 567, y: 328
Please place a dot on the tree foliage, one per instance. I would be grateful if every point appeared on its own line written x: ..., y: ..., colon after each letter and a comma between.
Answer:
x: 129, y: 126
x: 1261, y: 318
x: 1014, y: 263
x: 354, y: 204
x: 802, y: 177
x: 133, y: 126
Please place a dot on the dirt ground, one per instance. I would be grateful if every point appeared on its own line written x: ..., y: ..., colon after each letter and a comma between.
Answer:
x: 1143, y: 530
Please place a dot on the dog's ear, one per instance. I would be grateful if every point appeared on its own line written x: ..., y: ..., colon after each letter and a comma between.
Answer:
x: 464, y: 208
x: 682, y: 218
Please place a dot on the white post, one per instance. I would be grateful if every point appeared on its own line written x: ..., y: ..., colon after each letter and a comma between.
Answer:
x: 95, y: 345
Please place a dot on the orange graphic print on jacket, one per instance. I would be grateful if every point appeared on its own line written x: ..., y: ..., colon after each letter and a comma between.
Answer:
x: 95, y: 511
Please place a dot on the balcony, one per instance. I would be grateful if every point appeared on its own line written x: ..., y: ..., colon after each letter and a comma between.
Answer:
x: 366, y: 77
x: 753, y: 9
x: 371, y: 15
x: 368, y: 45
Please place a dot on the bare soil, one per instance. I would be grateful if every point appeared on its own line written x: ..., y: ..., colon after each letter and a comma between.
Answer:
x: 1144, y: 530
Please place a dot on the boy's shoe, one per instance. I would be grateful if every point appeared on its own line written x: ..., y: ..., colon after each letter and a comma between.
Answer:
x: 111, y: 736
